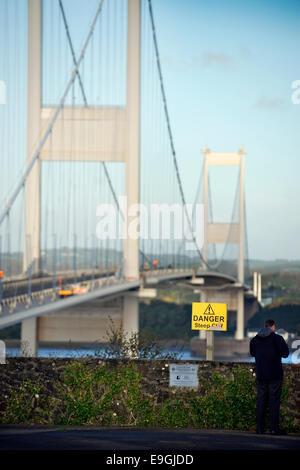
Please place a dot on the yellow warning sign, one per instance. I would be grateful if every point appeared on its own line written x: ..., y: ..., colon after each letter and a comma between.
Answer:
x: 209, y: 316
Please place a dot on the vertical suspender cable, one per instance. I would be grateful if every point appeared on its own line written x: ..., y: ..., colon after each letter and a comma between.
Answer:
x: 53, y: 119
x: 170, y: 133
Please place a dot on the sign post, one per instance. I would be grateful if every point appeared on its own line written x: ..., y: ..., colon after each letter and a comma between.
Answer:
x: 209, y: 317
x: 210, y: 342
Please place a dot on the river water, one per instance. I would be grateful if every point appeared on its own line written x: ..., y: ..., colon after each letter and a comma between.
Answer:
x: 182, y: 354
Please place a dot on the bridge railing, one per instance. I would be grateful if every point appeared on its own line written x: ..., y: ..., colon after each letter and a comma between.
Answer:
x: 26, y: 293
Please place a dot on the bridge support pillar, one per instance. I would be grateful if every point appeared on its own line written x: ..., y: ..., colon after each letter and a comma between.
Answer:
x: 29, y: 338
x: 240, y: 317
x: 130, y: 316
x: 132, y: 167
x: 32, y: 186
x: 208, y: 335
x: 217, y: 232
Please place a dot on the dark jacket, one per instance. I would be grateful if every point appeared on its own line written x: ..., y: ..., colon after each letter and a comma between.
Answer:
x: 268, y: 348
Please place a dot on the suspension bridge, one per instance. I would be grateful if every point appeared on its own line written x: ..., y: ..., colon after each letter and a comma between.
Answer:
x: 93, y: 203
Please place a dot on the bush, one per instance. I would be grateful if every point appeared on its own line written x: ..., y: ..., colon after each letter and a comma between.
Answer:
x: 22, y: 405
x: 225, y: 403
x: 113, y: 395
x: 228, y: 402
x: 138, y: 345
x: 98, y: 396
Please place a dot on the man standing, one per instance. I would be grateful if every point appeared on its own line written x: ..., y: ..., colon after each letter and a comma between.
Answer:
x: 268, y: 348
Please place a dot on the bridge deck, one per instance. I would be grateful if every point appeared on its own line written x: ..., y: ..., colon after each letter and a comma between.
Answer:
x: 106, y: 287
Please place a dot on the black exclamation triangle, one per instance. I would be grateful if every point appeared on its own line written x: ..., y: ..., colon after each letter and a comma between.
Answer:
x: 209, y: 310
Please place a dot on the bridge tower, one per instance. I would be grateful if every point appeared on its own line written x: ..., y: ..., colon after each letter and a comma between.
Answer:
x: 121, y: 122
x: 226, y: 233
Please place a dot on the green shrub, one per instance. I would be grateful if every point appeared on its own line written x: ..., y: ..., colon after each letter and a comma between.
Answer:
x: 229, y: 402
x: 22, y: 405
x: 112, y: 394
x: 106, y: 396
x: 225, y: 403
x: 138, y: 345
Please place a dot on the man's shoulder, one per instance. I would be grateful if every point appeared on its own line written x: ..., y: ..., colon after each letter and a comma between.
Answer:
x: 280, y: 341
x: 253, y: 340
x: 279, y: 338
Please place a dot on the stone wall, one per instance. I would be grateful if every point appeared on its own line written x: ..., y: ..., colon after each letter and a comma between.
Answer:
x: 155, y: 375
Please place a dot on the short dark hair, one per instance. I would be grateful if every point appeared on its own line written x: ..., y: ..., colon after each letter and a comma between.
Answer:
x: 269, y: 323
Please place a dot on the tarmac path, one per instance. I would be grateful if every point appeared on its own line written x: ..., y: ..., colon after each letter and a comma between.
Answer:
x: 19, y: 437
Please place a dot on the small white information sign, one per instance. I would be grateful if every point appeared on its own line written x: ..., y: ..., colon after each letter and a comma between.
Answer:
x: 183, y: 375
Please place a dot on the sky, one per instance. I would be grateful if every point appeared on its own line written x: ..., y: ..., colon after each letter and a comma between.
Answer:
x: 228, y: 68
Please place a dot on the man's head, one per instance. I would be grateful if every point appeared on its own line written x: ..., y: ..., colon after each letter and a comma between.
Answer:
x: 270, y: 324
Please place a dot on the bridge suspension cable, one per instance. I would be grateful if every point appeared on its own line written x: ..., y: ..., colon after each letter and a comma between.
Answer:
x: 209, y: 265
x: 85, y: 101
x: 171, y: 139
x: 218, y: 262
x: 106, y: 172
x: 54, y: 117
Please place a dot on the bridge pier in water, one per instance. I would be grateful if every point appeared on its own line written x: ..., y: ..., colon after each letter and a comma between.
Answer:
x: 130, y: 317
x: 218, y: 233
x: 29, y: 337
x: 233, y: 296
